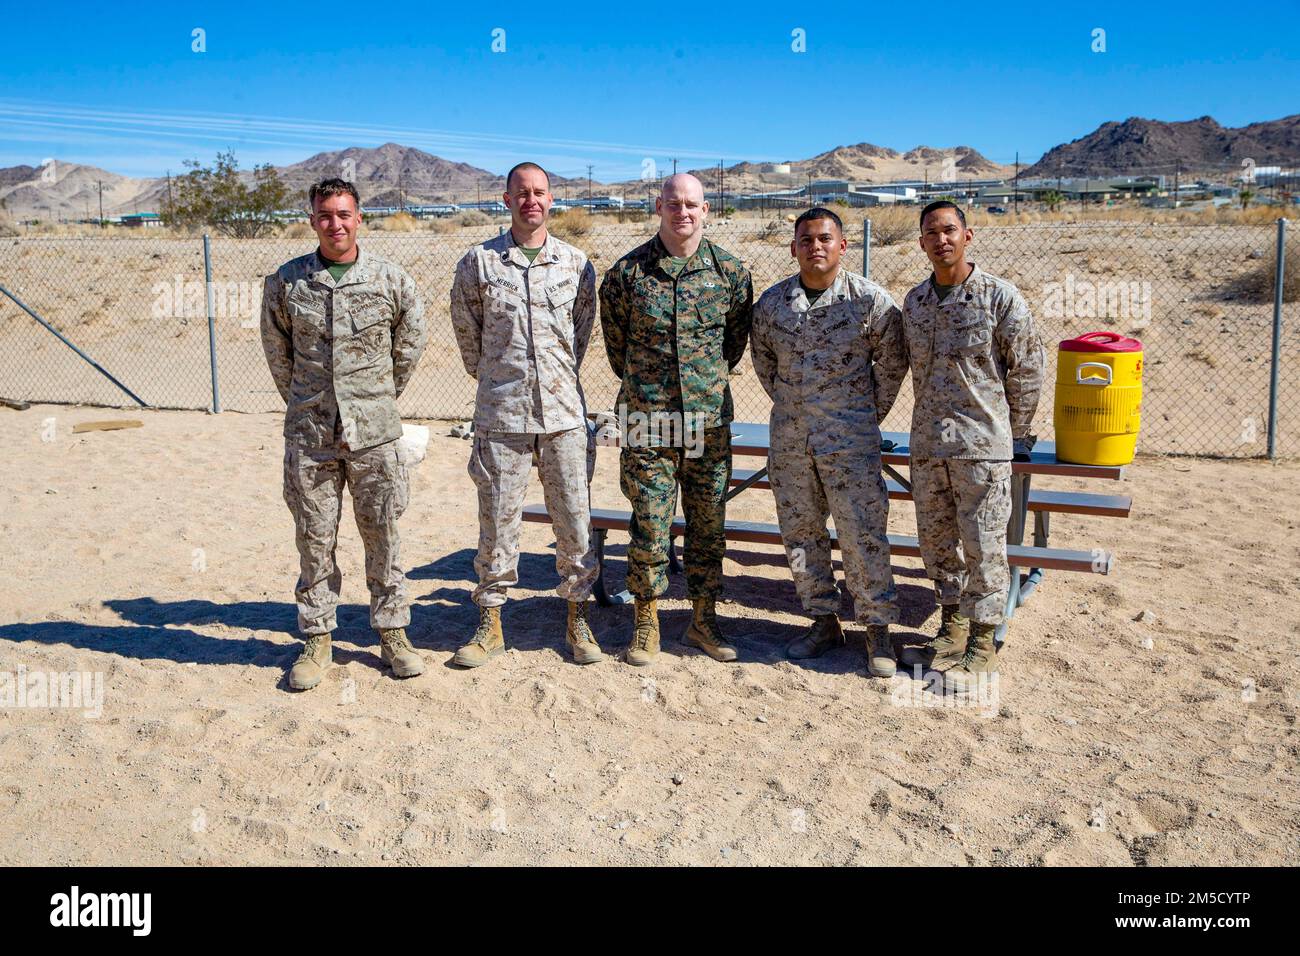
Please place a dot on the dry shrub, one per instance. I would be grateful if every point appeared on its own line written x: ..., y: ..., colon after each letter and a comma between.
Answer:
x: 7, y: 227
x: 1254, y: 216
x: 298, y: 230
x: 570, y: 223
x: 441, y: 226
x: 893, y: 224
x: 398, y: 222
x: 1260, y: 284
x: 776, y: 233
x: 473, y: 217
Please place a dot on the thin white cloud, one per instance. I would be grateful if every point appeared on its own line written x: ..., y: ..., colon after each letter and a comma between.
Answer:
x: 21, y: 118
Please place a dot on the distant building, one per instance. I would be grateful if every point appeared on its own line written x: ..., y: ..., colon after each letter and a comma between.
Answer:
x: 137, y: 220
x: 1097, y: 189
x: 594, y: 203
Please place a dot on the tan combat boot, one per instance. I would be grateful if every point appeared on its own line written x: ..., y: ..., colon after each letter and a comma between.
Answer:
x: 946, y: 647
x: 486, y: 643
x: 312, y: 663
x: 978, y: 665
x: 396, y: 650
x: 824, y: 633
x: 704, y: 634
x: 645, y: 634
x: 579, y: 637
x: 880, y: 651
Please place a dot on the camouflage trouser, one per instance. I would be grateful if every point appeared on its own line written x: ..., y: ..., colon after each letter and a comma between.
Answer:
x: 962, y: 510
x: 500, y: 464
x: 649, y: 479
x: 846, y: 485
x: 313, y: 490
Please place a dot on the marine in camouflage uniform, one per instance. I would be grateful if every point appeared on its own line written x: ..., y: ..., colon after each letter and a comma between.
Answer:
x: 832, y: 370
x: 523, y: 329
x: 340, y: 353
x: 977, y: 367
x: 673, y: 331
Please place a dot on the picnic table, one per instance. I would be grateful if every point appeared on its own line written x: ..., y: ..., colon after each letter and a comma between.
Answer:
x: 752, y: 439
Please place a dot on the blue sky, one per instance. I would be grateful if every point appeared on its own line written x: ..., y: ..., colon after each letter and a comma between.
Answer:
x: 616, y: 83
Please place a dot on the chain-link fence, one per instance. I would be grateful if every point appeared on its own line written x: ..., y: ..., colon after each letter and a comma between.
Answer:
x: 1200, y: 297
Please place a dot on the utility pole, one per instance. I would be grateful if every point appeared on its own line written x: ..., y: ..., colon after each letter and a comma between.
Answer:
x: 401, y: 201
x: 169, y: 189
x: 589, y: 204
x: 674, y: 165
x: 1015, y: 188
x: 1178, y: 168
x: 100, y: 183
x: 722, y: 189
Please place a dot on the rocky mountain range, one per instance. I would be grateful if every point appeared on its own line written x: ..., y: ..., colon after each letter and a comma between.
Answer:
x: 863, y: 162
x: 1199, y: 146
x: 392, y: 173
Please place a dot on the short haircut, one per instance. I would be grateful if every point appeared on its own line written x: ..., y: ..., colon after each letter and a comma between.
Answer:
x: 815, y: 213
x: 942, y: 204
x: 522, y: 166
x: 332, y: 187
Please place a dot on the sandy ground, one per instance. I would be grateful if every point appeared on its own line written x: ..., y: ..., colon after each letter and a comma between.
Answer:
x: 162, y: 558
x: 1180, y: 288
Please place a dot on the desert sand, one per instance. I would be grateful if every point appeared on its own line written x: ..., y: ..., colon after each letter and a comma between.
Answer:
x: 162, y: 558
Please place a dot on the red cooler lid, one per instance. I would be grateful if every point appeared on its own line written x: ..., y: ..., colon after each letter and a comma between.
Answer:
x: 1101, y: 342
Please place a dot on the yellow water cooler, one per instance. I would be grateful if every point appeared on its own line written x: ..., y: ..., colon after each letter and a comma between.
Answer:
x: 1098, y: 399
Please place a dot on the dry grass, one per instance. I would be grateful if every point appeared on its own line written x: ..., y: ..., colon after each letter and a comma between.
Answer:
x: 400, y: 222
x: 775, y: 232
x: 893, y: 224
x: 889, y: 224
x: 571, y: 223
x: 1260, y: 284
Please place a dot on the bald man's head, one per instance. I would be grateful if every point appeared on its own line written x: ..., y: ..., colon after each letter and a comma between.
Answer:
x: 682, y: 184
x: 682, y: 211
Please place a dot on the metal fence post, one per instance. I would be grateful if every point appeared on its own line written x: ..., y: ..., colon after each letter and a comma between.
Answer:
x: 1277, y: 339
x: 866, y: 248
x: 212, y: 329
x: 62, y: 338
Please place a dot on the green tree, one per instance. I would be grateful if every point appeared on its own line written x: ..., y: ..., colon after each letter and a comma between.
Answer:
x: 221, y: 198
x: 1053, y: 199
x: 1246, y: 195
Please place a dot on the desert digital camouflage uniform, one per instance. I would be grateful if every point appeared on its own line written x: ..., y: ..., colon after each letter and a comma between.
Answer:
x: 523, y: 329
x: 340, y: 354
x: 977, y: 371
x: 832, y: 370
x: 672, y: 340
